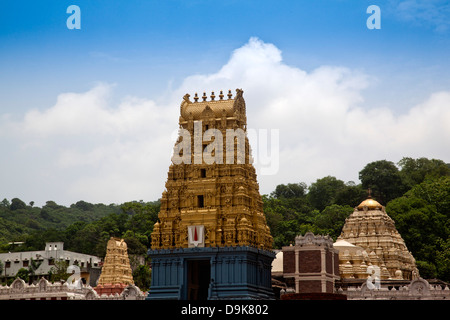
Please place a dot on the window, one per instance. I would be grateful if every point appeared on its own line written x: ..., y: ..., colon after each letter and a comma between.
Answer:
x: 51, y: 262
x: 203, y: 173
x: 8, y: 264
x: 200, y: 201
x: 25, y: 263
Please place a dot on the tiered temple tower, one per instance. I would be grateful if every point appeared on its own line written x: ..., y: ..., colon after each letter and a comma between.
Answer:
x: 116, y: 271
x: 370, y: 243
x: 212, y: 240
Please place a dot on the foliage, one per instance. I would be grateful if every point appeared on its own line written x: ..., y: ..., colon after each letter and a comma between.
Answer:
x: 384, y: 179
x: 22, y: 273
x: 323, y: 192
x: 422, y: 217
x: 58, y: 272
x: 415, y: 171
x: 142, y: 277
x: 331, y: 220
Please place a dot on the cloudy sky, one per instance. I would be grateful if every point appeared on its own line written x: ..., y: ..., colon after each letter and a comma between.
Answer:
x: 91, y: 114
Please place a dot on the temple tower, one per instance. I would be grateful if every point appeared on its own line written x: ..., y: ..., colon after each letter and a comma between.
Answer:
x: 116, y: 271
x: 370, y: 243
x: 212, y: 240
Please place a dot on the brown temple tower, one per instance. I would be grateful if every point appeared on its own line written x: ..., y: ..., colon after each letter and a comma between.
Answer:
x: 222, y: 196
x: 212, y: 240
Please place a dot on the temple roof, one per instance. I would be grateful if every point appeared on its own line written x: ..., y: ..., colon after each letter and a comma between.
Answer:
x: 370, y: 203
x: 210, y: 108
x: 343, y: 243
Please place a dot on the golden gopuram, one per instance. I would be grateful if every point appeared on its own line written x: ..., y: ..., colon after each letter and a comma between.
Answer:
x: 116, y: 267
x: 212, y: 185
x: 370, y: 243
x: 212, y: 240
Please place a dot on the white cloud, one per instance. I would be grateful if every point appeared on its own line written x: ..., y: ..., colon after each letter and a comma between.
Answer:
x: 89, y: 147
x: 429, y: 13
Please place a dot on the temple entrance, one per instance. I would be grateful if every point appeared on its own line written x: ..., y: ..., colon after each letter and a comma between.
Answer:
x: 198, y: 279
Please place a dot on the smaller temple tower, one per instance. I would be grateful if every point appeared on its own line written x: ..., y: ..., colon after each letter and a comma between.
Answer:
x: 369, y: 242
x: 116, y: 271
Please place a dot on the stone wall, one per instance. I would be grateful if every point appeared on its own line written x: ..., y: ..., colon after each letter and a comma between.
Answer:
x: 45, y: 290
x: 418, y: 289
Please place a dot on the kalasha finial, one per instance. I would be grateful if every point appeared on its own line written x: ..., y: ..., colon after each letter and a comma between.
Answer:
x: 212, y: 96
x: 229, y: 94
x: 196, y: 97
x: 221, y: 95
x: 204, y: 96
x: 369, y: 193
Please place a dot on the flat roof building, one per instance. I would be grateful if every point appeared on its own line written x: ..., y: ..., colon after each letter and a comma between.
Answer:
x: 54, y: 251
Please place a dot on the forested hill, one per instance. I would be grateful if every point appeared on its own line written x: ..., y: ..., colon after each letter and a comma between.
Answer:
x: 416, y: 193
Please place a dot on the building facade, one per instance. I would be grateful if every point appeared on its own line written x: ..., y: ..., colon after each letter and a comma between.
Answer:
x: 54, y: 251
x: 312, y: 263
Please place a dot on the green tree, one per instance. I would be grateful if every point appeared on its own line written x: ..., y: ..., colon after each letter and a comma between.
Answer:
x: 323, y: 192
x: 427, y: 270
x: 22, y: 273
x: 415, y: 171
x: 436, y: 192
x: 384, y: 179
x: 422, y: 217
x: 5, y: 203
x: 17, y: 204
x: 286, y: 215
x: 350, y: 195
x: 142, y: 217
x: 34, y: 265
x: 290, y: 190
x: 135, y: 243
x: 83, y: 205
x: 142, y: 277
x: 58, y: 272
x: 443, y: 259
x: 331, y: 220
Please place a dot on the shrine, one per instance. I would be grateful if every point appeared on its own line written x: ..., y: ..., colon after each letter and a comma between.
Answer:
x: 212, y: 240
x: 116, y: 271
x: 370, y: 243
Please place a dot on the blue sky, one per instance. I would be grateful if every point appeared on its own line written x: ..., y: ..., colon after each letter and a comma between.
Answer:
x: 148, y: 50
x: 146, y: 45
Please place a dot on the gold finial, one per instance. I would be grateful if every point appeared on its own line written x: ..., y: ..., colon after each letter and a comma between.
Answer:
x: 212, y: 96
x: 229, y: 94
x: 196, y: 97
x: 369, y: 193
x: 221, y: 95
x: 204, y: 96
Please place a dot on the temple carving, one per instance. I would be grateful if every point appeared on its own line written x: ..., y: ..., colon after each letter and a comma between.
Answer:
x: 211, y: 196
